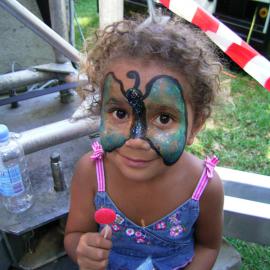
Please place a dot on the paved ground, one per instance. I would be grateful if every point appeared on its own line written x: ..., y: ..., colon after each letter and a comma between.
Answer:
x: 61, y: 264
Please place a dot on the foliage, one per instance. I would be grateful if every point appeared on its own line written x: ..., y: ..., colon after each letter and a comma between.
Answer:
x: 87, y: 16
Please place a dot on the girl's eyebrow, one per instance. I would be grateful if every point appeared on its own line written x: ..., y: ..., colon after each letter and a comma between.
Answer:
x: 117, y: 101
x: 163, y: 107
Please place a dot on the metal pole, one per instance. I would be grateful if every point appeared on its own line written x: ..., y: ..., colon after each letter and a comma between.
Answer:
x: 59, y: 132
x: 22, y: 78
x: 266, y: 24
x: 252, y: 25
x: 40, y: 28
x: 71, y: 23
x: 58, y: 14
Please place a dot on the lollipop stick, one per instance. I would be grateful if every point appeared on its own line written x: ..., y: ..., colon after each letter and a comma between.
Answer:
x: 106, y: 231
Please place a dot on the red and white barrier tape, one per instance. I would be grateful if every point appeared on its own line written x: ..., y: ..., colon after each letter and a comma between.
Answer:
x: 238, y: 50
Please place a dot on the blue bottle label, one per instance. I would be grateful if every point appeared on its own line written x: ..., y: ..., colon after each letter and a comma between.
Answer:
x: 11, y: 181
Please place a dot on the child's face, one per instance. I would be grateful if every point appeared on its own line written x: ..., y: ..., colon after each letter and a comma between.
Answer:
x: 144, y: 101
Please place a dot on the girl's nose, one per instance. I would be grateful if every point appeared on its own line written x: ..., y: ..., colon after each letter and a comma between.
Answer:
x: 138, y: 143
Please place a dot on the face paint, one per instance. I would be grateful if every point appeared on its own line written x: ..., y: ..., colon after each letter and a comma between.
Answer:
x: 135, y: 99
x: 165, y: 94
x: 110, y: 137
x: 163, y: 98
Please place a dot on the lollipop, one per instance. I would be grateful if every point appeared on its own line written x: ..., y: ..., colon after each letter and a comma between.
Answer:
x: 105, y: 216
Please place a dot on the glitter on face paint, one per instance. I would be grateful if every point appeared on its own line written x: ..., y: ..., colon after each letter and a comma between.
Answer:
x: 135, y: 99
x: 160, y: 91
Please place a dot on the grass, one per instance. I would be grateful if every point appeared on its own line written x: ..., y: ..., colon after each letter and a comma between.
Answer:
x: 238, y: 132
x: 87, y: 15
x: 254, y: 257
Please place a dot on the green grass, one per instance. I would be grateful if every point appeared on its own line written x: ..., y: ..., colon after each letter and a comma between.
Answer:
x: 88, y: 19
x: 254, y: 257
x: 238, y: 132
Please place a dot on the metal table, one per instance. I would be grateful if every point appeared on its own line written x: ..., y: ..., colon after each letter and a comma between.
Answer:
x: 34, y: 238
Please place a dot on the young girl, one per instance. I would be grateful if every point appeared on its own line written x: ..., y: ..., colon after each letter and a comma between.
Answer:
x: 157, y: 83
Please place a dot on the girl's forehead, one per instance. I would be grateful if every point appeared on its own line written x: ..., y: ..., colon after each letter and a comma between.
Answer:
x: 147, y: 70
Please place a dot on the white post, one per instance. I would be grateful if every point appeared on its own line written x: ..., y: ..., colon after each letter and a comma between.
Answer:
x: 110, y: 11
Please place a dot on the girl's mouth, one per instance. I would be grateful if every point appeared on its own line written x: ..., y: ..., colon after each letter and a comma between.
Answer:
x: 135, y: 162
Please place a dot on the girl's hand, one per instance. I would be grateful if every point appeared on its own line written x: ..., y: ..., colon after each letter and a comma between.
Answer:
x: 93, y: 250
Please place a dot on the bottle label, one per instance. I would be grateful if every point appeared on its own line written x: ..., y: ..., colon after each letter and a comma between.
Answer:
x: 11, y: 181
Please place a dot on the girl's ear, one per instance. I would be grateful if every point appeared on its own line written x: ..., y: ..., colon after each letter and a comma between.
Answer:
x: 194, y: 131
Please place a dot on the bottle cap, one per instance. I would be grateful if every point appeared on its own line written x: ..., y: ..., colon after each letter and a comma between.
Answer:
x: 55, y: 157
x: 4, y: 133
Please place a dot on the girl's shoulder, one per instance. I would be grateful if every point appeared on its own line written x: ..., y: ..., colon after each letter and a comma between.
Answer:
x: 194, y: 170
x: 214, y: 187
x: 85, y: 172
x: 191, y: 166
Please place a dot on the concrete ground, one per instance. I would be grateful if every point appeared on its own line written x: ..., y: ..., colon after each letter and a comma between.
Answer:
x: 20, y: 47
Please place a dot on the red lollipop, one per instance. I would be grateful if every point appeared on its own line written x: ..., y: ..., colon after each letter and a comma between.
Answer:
x: 105, y: 216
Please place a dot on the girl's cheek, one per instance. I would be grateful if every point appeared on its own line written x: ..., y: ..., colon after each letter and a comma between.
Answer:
x: 112, y: 140
x: 169, y: 144
x: 112, y: 135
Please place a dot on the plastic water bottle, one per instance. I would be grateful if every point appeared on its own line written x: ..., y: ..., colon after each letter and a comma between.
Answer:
x: 15, y: 185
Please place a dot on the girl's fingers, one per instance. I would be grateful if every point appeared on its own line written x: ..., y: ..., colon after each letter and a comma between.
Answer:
x: 94, y: 247
x: 93, y: 253
x: 96, y: 240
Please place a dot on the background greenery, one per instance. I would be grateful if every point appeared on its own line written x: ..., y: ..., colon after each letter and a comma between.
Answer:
x: 238, y: 131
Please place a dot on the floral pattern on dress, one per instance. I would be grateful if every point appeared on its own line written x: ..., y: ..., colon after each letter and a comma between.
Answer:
x: 130, y: 231
x: 176, y: 230
x: 174, y: 219
x: 171, y: 225
x: 115, y: 227
x: 161, y: 225
x: 119, y: 219
x: 140, y: 237
x: 140, y: 240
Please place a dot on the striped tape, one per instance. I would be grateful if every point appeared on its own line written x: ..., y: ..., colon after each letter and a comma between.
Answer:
x: 230, y: 43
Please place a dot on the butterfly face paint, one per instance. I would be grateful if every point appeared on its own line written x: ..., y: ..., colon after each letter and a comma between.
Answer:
x: 158, y: 115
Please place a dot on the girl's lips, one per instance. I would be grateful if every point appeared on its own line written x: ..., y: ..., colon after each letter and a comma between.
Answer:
x: 136, y: 163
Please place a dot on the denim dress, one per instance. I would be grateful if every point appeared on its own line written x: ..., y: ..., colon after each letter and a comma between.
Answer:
x: 167, y: 244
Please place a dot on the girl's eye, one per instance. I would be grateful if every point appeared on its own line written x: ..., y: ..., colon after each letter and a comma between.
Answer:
x: 164, y: 119
x: 120, y: 114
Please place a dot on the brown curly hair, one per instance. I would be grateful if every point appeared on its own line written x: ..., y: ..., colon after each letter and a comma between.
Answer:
x: 180, y: 45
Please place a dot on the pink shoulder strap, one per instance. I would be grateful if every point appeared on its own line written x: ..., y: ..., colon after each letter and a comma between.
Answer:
x: 98, y: 157
x: 208, y: 172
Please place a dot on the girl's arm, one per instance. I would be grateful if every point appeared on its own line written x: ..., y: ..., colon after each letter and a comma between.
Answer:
x: 80, y: 217
x: 208, y: 231
x: 82, y: 242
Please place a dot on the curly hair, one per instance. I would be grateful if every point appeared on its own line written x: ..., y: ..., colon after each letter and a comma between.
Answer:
x: 180, y: 45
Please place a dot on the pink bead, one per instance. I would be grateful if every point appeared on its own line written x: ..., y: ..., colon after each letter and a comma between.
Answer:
x: 105, y: 216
